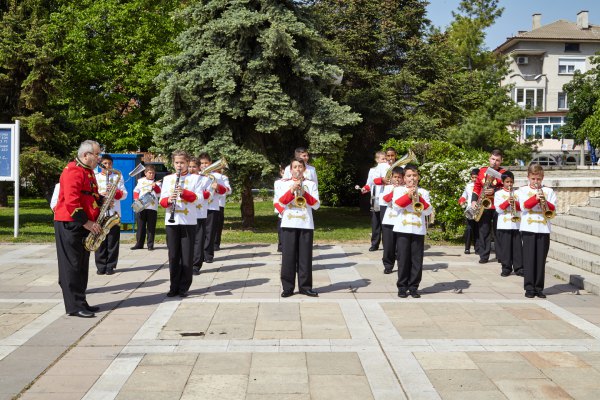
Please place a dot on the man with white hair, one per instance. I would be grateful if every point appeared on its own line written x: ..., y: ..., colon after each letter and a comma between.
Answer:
x: 75, y: 214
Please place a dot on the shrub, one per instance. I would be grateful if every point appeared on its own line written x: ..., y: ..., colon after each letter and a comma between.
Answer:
x: 335, y: 183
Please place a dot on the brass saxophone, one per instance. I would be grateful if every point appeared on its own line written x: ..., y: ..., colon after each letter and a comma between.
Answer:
x: 483, y: 203
x: 105, y: 220
x: 514, y: 217
x: 548, y: 213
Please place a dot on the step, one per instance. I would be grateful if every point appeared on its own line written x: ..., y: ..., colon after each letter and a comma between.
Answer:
x: 592, y: 213
x: 579, y: 240
x: 578, y: 224
x: 578, y: 258
x: 576, y: 277
x: 595, y: 202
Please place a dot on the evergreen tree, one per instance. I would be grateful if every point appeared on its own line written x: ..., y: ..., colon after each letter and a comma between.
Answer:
x: 249, y: 85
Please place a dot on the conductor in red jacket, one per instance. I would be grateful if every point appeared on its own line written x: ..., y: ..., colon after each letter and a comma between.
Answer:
x: 75, y: 214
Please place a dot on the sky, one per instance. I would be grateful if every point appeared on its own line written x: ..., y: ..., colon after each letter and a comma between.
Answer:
x: 517, y: 15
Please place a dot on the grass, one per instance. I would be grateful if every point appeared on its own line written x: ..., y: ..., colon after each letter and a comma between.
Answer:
x: 332, y: 224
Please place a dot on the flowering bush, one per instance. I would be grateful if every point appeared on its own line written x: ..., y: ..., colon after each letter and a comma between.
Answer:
x: 445, y: 170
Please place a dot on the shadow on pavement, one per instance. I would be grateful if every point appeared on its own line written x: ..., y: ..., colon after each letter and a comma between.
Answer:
x: 336, y: 255
x: 457, y: 287
x: 227, y: 287
x: 127, y: 286
x: 243, y: 255
x: 349, y: 286
x: 320, y: 267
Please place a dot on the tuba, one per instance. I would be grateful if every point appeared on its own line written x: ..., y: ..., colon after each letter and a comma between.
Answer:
x: 217, y: 165
x: 408, y: 158
x: 548, y: 213
x: 105, y: 219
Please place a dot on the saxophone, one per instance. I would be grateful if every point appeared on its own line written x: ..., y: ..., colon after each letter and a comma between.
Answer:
x: 105, y: 220
x: 514, y: 217
x: 548, y: 213
x: 483, y: 203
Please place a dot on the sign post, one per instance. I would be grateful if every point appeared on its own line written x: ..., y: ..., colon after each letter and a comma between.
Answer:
x: 9, y: 162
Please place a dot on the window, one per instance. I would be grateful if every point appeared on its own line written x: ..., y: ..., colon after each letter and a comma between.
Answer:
x: 568, y: 66
x: 562, y: 101
x: 530, y: 98
x: 571, y: 47
x: 542, y: 127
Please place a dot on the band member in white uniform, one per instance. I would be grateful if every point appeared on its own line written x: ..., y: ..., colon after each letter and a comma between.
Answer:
x: 471, y: 230
x: 375, y: 190
x: 413, y: 205
x: 310, y: 172
x: 212, y: 217
x: 277, y: 207
x: 538, y: 206
x: 180, y: 192
x: 146, y: 219
x: 222, y: 198
x: 107, y: 254
x: 389, y: 220
x: 509, y: 248
x: 201, y: 214
x: 297, y: 198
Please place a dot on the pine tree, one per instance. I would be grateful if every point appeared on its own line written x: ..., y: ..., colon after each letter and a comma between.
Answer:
x: 250, y: 84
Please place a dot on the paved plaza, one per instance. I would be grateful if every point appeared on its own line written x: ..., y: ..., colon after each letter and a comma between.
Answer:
x: 473, y: 335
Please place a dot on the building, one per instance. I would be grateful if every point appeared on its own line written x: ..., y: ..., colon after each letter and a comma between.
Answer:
x: 541, y: 62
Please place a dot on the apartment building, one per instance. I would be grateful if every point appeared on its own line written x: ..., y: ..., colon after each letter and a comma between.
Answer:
x: 541, y: 62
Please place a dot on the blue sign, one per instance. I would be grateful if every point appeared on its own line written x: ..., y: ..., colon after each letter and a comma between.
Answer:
x: 6, y: 160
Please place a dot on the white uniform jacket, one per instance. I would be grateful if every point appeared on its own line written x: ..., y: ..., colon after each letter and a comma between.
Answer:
x: 409, y: 220
x: 391, y: 214
x: 467, y: 194
x: 297, y: 217
x: 121, y: 193
x: 277, y: 189
x: 532, y: 217
x: 310, y: 173
x: 213, y: 200
x: 226, y: 185
x: 185, y: 206
x: 202, y: 202
x: 54, y: 198
x: 144, y: 185
x: 378, y: 175
x: 502, y: 203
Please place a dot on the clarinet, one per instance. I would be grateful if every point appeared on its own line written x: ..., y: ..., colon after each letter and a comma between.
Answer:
x: 174, y: 204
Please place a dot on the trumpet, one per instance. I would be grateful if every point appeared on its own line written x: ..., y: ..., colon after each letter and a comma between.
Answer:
x: 548, y: 213
x: 514, y: 217
x: 416, y: 204
x: 299, y: 200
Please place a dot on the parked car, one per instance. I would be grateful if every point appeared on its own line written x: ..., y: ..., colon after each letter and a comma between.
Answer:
x: 544, y: 160
x: 161, y: 170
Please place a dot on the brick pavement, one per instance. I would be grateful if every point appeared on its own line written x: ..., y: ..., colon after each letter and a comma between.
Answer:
x: 471, y: 336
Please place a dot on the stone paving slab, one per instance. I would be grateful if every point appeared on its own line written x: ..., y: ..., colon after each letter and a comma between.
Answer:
x: 471, y: 336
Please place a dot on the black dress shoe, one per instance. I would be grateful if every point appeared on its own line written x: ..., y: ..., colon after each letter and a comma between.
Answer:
x: 414, y: 294
x: 309, y: 293
x: 540, y: 295
x: 196, y: 270
x: 110, y: 271
x: 482, y: 261
x: 184, y: 294
x: 388, y: 271
x: 171, y: 294
x: 286, y: 294
x: 209, y: 261
x: 519, y: 273
x: 529, y: 295
x: 83, y: 314
x: 505, y: 274
x: 279, y: 250
x: 91, y: 308
x: 217, y: 248
x: 136, y: 247
x: 150, y: 248
x: 467, y: 251
x: 402, y: 294
x: 100, y: 272
x: 373, y: 248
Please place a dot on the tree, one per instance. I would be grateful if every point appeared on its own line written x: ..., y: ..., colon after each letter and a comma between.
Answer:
x: 248, y: 84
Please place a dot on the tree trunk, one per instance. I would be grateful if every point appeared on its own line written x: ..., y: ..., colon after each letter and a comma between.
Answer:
x: 247, y: 206
x: 4, y: 193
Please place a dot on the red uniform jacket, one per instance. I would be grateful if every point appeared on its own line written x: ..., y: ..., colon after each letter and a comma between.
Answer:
x: 78, y: 197
x: 497, y: 184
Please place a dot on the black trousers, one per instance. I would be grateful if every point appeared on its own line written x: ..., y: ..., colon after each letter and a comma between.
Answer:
x: 485, y: 227
x: 535, y: 251
x: 198, y: 243
x: 279, y: 243
x: 296, y: 255
x: 210, y: 233
x: 509, y: 250
x: 107, y: 254
x: 221, y: 222
x: 73, y: 264
x: 410, y: 249
x: 376, y: 227
x: 471, y: 235
x: 389, y: 246
x: 146, y: 222
x: 180, y: 243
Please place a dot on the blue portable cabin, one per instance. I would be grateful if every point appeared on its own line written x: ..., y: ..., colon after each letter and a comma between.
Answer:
x: 126, y: 163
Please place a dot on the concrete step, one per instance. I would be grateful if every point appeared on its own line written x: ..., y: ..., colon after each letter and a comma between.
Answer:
x: 595, y: 202
x: 579, y: 240
x: 577, y: 224
x: 576, y: 277
x: 575, y: 257
x: 592, y: 213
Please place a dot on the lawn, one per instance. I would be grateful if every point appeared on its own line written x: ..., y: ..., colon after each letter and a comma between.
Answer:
x: 333, y: 224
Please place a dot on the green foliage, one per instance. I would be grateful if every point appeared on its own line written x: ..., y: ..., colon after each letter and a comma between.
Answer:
x: 445, y: 170
x: 335, y: 183
x: 40, y: 170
